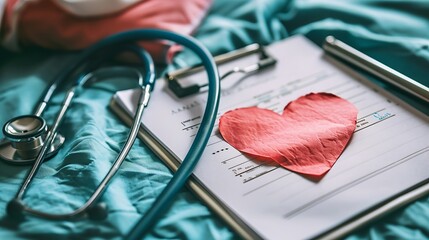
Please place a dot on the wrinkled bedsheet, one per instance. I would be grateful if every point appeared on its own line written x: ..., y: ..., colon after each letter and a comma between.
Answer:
x: 394, y: 32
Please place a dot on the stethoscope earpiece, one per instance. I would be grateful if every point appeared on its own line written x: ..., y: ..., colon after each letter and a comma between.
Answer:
x: 98, y: 212
x: 15, y: 209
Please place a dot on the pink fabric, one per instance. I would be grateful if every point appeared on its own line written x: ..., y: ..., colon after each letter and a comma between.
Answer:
x: 43, y: 23
x: 307, y: 138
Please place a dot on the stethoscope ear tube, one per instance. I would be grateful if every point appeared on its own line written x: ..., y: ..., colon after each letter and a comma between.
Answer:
x: 167, y: 196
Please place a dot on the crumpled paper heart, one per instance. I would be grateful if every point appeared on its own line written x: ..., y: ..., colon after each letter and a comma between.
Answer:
x: 307, y: 138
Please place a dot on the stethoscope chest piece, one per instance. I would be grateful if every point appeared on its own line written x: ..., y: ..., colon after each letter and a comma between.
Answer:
x: 24, y: 137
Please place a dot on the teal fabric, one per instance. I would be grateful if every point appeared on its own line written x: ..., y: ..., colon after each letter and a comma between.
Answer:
x: 394, y: 32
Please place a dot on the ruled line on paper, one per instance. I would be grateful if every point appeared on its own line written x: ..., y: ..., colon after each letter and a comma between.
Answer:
x: 330, y: 194
x: 353, y: 152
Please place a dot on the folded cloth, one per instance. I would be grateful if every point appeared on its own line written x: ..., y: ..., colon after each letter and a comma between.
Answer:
x: 91, y: 8
x: 58, y: 24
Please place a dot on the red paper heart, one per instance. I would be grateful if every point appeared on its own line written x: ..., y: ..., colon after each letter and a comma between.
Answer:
x: 307, y: 138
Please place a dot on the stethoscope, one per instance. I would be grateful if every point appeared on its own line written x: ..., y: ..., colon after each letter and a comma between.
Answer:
x: 30, y: 140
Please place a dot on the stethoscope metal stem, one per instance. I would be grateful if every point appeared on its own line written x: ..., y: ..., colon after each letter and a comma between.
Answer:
x: 40, y: 108
x: 96, y: 211
x: 122, y: 155
x: 48, y: 140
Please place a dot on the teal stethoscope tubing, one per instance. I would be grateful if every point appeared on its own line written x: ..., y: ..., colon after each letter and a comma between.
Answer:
x: 167, y: 196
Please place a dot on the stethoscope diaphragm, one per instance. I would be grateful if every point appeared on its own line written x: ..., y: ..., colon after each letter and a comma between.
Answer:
x: 24, y: 137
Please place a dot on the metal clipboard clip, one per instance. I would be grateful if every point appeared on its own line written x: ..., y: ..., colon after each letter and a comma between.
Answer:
x: 265, y: 61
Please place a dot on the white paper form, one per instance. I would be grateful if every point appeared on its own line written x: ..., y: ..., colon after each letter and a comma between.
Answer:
x: 388, y: 153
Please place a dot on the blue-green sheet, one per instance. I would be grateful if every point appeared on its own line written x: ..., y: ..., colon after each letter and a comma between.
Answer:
x: 394, y: 32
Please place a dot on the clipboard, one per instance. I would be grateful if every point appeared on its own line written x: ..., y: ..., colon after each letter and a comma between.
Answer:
x: 243, y: 229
